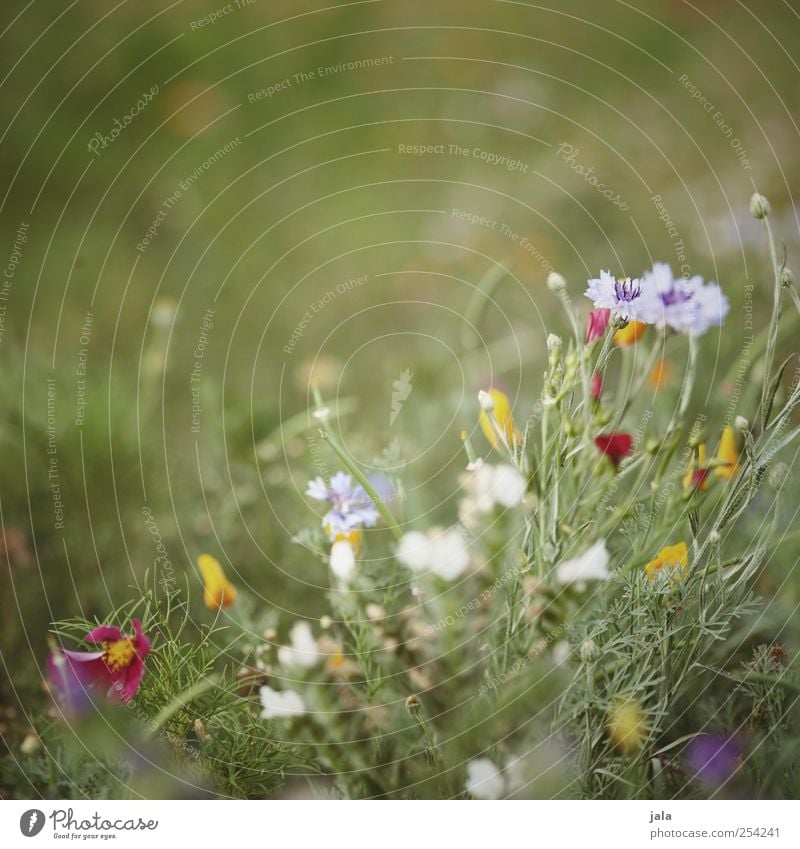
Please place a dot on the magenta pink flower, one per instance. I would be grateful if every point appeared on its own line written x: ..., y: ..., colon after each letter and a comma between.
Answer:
x: 118, y: 666
x: 598, y: 322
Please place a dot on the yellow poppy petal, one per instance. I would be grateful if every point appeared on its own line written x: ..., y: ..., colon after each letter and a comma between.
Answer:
x: 218, y: 590
x: 673, y: 557
x: 629, y: 334
x: 728, y: 454
x: 502, y: 412
x: 660, y: 376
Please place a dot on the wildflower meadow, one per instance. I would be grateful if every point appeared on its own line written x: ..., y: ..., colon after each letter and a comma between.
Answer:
x: 401, y: 403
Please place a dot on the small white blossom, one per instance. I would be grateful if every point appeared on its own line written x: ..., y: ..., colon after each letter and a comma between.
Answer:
x: 484, y: 779
x: 443, y: 552
x: 343, y: 560
x: 592, y: 565
x: 276, y: 705
x: 302, y: 651
x: 494, y: 485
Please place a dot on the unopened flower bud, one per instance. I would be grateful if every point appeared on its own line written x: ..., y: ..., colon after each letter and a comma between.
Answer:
x: 787, y: 278
x: 486, y: 401
x: 759, y: 206
x: 714, y: 537
x: 412, y: 704
x: 555, y: 282
x: 741, y: 423
x: 778, y: 475
x: 652, y: 445
x: 589, y: 652
x: 553, y: 342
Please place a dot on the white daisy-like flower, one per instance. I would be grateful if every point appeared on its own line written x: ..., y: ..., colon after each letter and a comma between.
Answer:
x: 413, y: 551
x: 592, y: 565
x: 490, y: 486
x: 276, y: 705
x: 302, y: 650
x: 687, y: 305
x: 484, y: 779
x: 443, y: 552
x: 627, y: 298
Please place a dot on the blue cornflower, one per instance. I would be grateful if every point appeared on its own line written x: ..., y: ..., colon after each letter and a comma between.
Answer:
x: 351, y: 507
x: 626, y: 298
x: 687, y: 305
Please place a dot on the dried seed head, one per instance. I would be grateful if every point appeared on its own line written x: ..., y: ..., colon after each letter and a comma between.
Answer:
x: 412, y: 704
x: 555, y: 282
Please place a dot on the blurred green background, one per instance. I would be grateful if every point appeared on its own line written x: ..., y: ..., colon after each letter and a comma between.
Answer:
x: 269, y: 148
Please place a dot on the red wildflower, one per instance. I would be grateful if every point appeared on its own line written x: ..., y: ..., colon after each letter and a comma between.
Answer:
x: 118, y: 666
x: 614, y: 445
x: 598, y: 322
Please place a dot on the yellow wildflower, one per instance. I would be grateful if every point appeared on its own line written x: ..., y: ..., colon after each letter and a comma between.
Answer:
x: 627, y: 725
x: 675, y: 558
x: 727, y: 454
x: 502, y: 412
x: 630, y: 334
x: 219, y: 591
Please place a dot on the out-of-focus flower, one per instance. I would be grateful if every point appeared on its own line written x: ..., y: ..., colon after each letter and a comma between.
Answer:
x: 494, y: 402
x: 163, y: 313
x: 627, y: 724
x: 484, y: 779
x: 727, y: 454
x: 118, y: 666
x: 672, y: 560
x: 592, y: 565
x: 276, y: 705
x: 696, y: 476
x: 218, y: 590
x: 686, y: 305
x: 630, y: 334
x: 351, y: 507
x: 660, y: 375
x: 494, y: 485
x: 714, y: 758
x: 302, y: 650
x: 597, y: 324
x: 597, y: 385
x: 443, y: 552
x: 344, y: 554
x: 615, y: 446
x: 759, y: 206
x: 626, y: 298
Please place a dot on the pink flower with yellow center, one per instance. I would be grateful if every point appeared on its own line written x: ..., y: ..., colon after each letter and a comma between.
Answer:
x: 118, y: 665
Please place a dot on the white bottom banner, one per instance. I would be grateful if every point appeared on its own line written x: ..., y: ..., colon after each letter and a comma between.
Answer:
x: 402, y: 824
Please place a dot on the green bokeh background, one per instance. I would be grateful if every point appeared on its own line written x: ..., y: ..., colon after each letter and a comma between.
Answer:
x: 316, y: 192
